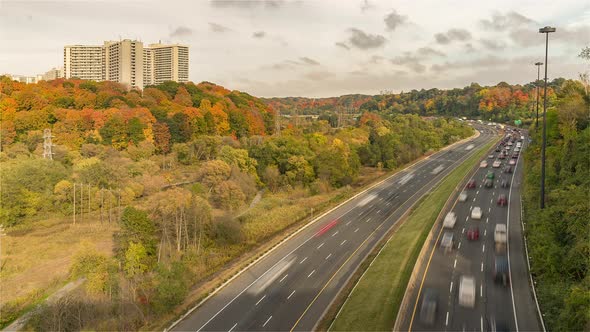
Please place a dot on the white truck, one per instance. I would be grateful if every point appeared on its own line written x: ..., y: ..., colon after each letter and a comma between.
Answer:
x: 450, y: 220
x: 467, y: 291
x: 500, y: 237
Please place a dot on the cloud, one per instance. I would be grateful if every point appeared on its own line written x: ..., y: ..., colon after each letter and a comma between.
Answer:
x: 343, y: 45
x: 259, y: 34
x: 376, y: 59
x: 531, y: 37
x: 318, y: 75
x: 365, y: 41
x: 468, y: 47
x: 429, y: 51
x: 502, y: 22
x: 247, y: 4
x: 394, y: 20
x: 494, y: 45
x: 181, y: 31
x: 410, y: 61
x: 218, y: 27
x: 366, y: 5
x: 309, y: 61
x: 452, y: 35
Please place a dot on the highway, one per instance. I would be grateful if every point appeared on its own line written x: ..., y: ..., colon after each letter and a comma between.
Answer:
x: 497, y: 306
x: 294, y: 284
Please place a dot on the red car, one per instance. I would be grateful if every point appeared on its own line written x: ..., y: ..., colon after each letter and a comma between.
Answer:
x: 502, y: 200
x: 470, y: 184
x: 473, y: 233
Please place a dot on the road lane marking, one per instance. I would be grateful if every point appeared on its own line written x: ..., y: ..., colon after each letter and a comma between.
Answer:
x: 471, y: 208
x: 489, y: 209
x: 493, y: 193
x: 321, y: 245
x: 334, y: 234
x: 262, y: 298
x: 481, y: 323
x: 233, y: 327
x: 480, y: 290
x: 328, y: 256
x: 483, y: 248
x: 481, y: 266
x: 485, y: 232
x: 348, y: 223
x: 459, y: 246
x: 303, y: 260
x: 455, y: 264
x: 487, y: 220
x: 356, y: 230
x: 379, y: 211
x: 263, y: 325
x: 312, y: 272
x: 343, y: 242
x: 473, y: 199
x: 368, y: 219
x: 466, y: 218
x: 283, y: 278
x: 288, y: 297
x: 491, y: 200
x: 447, y: 319
x: 477, y: 193
x: 451, y: 288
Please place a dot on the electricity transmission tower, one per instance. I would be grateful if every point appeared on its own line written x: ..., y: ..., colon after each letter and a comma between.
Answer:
x: 47, y: 144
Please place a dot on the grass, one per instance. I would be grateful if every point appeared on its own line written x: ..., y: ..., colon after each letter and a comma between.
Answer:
x: 374, y: 302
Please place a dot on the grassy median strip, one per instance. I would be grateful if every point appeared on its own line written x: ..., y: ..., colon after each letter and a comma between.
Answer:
x: 374, y: 302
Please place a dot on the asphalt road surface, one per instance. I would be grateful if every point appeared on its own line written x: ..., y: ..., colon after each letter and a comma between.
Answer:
x: 497, y: 306
x: 292, y: 286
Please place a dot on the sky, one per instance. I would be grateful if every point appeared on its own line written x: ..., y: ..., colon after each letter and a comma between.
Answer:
x: 314, y: 48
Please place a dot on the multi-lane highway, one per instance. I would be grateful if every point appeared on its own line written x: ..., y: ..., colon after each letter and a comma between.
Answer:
x: 292, y: 286
x: 498, y: 305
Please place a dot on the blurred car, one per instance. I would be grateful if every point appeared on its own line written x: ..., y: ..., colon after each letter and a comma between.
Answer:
x: 476, y: 212
x: 450, y: 220
x: 447, y: 241
x: 502, y: 156
x: 490, y: 156
x: 467, y: 291
x: 473, y: 233
x: 508, y: 169
x: 498, y: 149
x: 471, y: 184
x: 502, y: 200
x: 515, y: 155
x: 501, y: 275
x: 483, y: 164
x: 505, y: 183
x: 517, y: 149
x: 496, y: 164
x: 490, y: 175
x: 429, y: 306
x: 489, y: 183
x: 462, y: 196
x: 512, y: 161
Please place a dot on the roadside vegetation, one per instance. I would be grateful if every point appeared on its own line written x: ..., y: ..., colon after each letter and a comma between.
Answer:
x: 374, y: 302
x: 558, y: 236
x: 148, y: 195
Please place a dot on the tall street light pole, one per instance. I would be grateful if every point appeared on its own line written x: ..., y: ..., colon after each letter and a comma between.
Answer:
x: 546, y: 30
x: 538, y: 64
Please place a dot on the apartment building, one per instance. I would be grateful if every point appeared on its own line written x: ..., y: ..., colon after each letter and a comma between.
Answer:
x: 53, y: 74
x: 123, y: 62
x: 84, y: 62
x: 165, y: 63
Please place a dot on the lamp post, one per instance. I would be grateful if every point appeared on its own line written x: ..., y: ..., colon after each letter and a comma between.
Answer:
x: 546, y: 30
x: 538, y: 64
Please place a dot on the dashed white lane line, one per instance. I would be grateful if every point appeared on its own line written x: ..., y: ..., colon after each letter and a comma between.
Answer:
x: 379, y: 211
x: 466, y: 218
x: 321, y: 245
x: 483, y: 248
x: 356, y: 230
x: 263, y: 325
x: 487, y: 220
x: 283, y: 278
x: 312, y: 272
x: 343, y: 242
x: 447, y: 319
x: 328, y: 256
x: 335, y: 234
x: 368, y: 219
x: 477, y: 193
x: 481, y: 323
x: 303, y: 260
x: 233, y: 327
x: 348, y: 223
x: 288, y: 297
x: 480, y: 290
x: 459, y: 246
x: 473, y: 199
x: 262, y: 298
x: 451, y: 287
x: 463, y: 230
x: 485, y: 232
x: 491, y: 200
x: 455, y: 264
x: 481, y: 266
x: 493, y: 193
x: 489, y: 209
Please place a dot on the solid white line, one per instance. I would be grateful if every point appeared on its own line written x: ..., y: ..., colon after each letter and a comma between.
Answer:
x: 233, y: 327
x: 321, y: 245
x: 312, y: 272
x: 303, y: 260
x: 447, y: 319
x: 288, y: 297
x: 283, y: 278
x: 481, y: 266
x: 262, y: 298
x: 328, y: 256
x: 451, y: 288
x: 334, y: 234
x: 508, y: 245
x: 343, y: 242
x: 455, y: 264
x: 263, y: 325
x: 356, y: 230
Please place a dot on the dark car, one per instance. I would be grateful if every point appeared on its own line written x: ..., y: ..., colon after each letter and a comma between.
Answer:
x: 490, y: 175
x: 501, y: 270
x: 473, y: 233
x: 502, y: 200
x: 498, y: 149
x: 508, y: 169
x: 489, y: 183
x: 429, y: 306
x: 471, y: 184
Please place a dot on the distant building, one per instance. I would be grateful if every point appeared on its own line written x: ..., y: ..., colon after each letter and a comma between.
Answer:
x: 84, y: 61
x: 24, y: 79
x: 127, y: 62
x: 53, y: 74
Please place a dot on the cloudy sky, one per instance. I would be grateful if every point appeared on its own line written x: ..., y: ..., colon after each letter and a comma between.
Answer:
x: 315, y: 48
